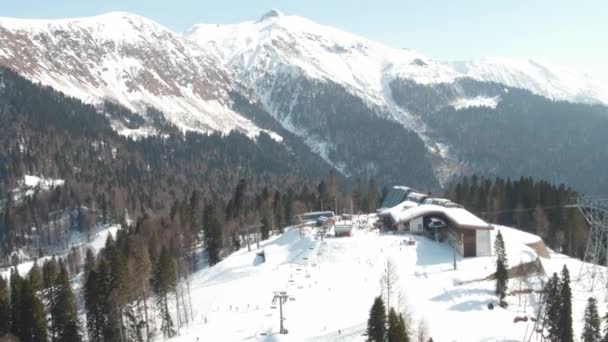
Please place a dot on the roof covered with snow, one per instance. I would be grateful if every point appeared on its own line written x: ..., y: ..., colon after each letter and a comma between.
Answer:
x: 396, y: 210
x: 460, y: 217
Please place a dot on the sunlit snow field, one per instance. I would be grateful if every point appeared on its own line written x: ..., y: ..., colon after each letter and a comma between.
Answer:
x: 333, y: 283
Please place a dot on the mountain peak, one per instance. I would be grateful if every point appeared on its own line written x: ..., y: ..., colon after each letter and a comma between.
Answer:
x: 273, y: 13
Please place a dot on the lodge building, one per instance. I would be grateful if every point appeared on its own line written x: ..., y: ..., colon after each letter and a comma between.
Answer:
x: 439, y: 218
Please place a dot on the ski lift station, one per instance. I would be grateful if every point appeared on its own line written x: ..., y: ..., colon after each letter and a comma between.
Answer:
x: 406, y: 210
x: 316, y: 218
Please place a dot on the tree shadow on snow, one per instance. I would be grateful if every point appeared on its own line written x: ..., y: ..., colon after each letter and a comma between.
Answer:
x: 471, y: 305
x: 454, y: 295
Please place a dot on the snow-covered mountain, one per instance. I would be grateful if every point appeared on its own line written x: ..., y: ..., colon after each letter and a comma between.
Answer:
x: 554, y: 82
x: 291, y: 62
x: 283, y: 44
x: 340, y: 93
x: 303, y: 72
x: 272, y: 51
x: 127, y: 59
x: 138, y: 63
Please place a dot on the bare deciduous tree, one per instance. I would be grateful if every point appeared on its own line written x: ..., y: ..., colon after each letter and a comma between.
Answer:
x: 422, y: 331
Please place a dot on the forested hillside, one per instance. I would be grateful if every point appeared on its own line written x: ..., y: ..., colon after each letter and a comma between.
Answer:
x: 44, y: 133
x: 535, y: 206
x: 509, y: 132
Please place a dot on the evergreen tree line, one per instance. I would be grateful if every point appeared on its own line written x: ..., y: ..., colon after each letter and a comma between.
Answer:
x: 379, y: 329
x: 40, y: 307
x: 592, y: 328
x: 557, y: 308
x: 362, y: 138
x: 109, y: 177
x: 154, y: 257
x: 537, y: 207
x: 44, y: 133
x: 524, y: 134
x: 390, y: 319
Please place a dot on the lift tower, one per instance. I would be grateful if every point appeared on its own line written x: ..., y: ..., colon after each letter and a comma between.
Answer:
x: 595, y: 266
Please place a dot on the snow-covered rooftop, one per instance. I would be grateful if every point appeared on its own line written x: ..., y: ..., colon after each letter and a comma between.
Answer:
x: 396, y: 210
x: 458, y: 216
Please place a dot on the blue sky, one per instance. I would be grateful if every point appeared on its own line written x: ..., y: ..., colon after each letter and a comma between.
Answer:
x: 571, y: 33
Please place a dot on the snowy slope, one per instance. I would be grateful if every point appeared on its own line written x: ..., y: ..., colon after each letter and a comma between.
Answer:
x: 278, y: 44
x: 126, y: 59
x: 333, y: 284
x: 274, y: 54
x: 551, y: 81
x: 277, y: 47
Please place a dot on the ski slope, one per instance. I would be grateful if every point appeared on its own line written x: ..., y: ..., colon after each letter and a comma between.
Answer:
x: 333, y: 283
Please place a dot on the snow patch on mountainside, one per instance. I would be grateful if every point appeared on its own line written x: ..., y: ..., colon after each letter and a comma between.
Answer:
x: 29, y: 185
x: 40, y: 182
x: 478, y: 101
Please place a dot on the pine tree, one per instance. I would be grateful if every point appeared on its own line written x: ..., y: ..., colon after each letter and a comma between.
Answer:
x: 118, y: 295
x: 358, y: 196
x: 164, y: 283
x: 39, y: 332
x: 213, y: 233
x: 38, y: 314
x: 403, y: 329
x: 552, y: 306
x: 64, y: 313
x: 591, y: 330
x: 142, y: 274
x: 376, y: 324
x: 16, y: 301
x: 33, y: 317
x: 5, y: 311
x: 27, y: 316
x: 89, y: 262
x: 238, y: 199
x: 372, y: 196
x: 50, y: 269
x: 502, y: 275
x: 194, y: 213
x: 107, y: 329
x: 265, y: 228
x: 392, y: 332
x: 278, y: 209
x: 565, y: 314
x: 289, y: 203
x: 92, y: 304
x: 396, y: 331
x: 605, y: 338
x: 35, y: 277
x: 323, y: 195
